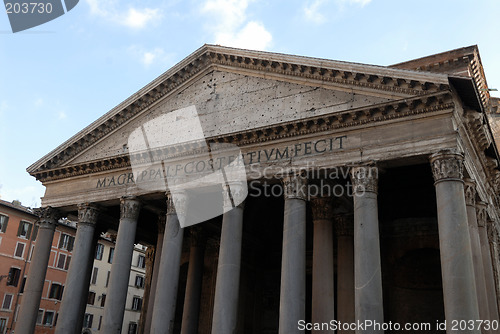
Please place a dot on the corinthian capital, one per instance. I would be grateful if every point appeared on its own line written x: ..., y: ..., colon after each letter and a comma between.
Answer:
x: 364, y: 179
x: 176, y: 203
x: 295, y: 186
x: 492, y: 233
x: 470, y: 192
x: 48, y: 216
x: 87, y: 214
x: 129, y: 207
x: 447, y: 165
x: 322, y: 208
x: 481, y: 213
x: 232, y: 193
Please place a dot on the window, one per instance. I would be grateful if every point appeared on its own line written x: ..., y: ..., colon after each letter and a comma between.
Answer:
x: 87, y: 320
x: 3, y: 325
x: 99, y: 251
x: 39, y: 317
x: 107, y: 278
x: 14, y: 275
x: 141, y: 261
x: 24, y: 230
x: 94, y: 275
x: 19, y: 250
x: 136, y: 303
x: 3, y: 224
x: 91, y: 298
x: 68, y: 261
x: 139, y: 281
x: 100, y: 322
x: 66, y: 242
x: 7, y: 301
x: 23, y: 284
x: 111, y: 253
x: 48, y: 318
x: 103, y: 299
x: 56, y: 291
x: 132, y: 328
x: 62, y: 261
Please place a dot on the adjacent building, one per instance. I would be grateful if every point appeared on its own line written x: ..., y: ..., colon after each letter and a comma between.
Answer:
x: 99, y: 283
x: 18, y: 236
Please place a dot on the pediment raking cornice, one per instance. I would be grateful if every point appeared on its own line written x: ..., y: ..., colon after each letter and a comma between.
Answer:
x: 323, y: 71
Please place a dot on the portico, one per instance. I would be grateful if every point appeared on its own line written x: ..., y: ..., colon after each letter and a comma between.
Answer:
x: 356, y: 207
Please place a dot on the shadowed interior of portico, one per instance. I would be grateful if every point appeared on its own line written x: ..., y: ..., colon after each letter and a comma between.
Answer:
x: 411, y: 271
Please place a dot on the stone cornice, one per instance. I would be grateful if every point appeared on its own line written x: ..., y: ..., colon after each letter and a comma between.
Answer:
x: 347, y: 119
x: 265, y: 63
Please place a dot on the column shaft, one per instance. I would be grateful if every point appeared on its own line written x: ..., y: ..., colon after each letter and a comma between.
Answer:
x: 345, y: 271
x: 228, y: 273
x: 120, y: 269
x: 293, y: 260
x: 477, y: 259
x: 367, y: 265
x: 459, y: 287
x: 192, y: 297
x: 76, y: 288
x: 86, y: 279
x: 38, y: 268
x: 168, y: 274
x: 489, y: 276
x: 323, y: 299
x: 156, y: 269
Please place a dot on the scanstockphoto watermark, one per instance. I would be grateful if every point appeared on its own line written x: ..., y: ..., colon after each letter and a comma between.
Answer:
x: 26, y: 14
x: 366, y: 325
x: 453, y: 326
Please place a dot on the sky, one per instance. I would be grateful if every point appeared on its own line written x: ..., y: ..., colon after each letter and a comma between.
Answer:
x: 57, y: 78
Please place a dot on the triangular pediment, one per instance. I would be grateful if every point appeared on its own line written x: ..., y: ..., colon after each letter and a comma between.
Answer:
x: 236, y: 90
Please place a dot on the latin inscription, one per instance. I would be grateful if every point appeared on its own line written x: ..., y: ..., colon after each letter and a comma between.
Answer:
x: 206, y: 166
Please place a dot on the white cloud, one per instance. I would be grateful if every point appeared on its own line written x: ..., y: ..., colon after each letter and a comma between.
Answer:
x: 148, y: 57
x: 232, y: 28
x: 252, y: 36
x: 358, y: 2
x: 138, y: 18
x: 135, y: 18
x: 314, y: 11
x: 38, y: 102
x: 61, y: 115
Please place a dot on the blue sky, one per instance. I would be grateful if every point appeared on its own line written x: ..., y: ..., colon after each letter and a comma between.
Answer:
x: 57, y: 78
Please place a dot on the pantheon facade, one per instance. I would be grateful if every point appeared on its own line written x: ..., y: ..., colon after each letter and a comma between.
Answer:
x: 371, y: 198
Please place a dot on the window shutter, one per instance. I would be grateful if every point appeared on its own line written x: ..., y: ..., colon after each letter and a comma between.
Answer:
x: 61, y: 241
x: 3, y: 222
x: 20, y: 228
x: 28, y: 234
x: 71, y: 243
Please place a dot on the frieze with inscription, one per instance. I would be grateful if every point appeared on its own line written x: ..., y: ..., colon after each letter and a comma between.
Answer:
x: 193, y: 167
